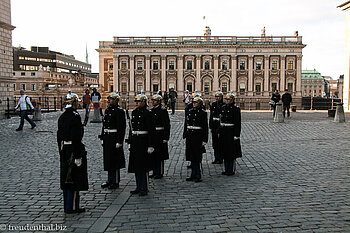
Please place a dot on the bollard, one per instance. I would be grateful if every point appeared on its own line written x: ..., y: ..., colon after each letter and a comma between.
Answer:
x: 96, y: 118
x: 278, y: 114
x: 37, y: 113
x: 339, y: 114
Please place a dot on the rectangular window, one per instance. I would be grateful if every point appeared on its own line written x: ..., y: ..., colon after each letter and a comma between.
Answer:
x: 290, y: 65
x: 22, y: 73
x: 274, y: 87
x: 171, y: 65
x: 207, y: 65
x: 189, y: 86
x: 242, y: 65
x: 139, y: 87
x: 155, y: 87
x: 124, y: 65
x: 32, y: 74
x: 111, y: 88
x: 258, y: 88
x: 242, y: 88
x: 290, y: 87
x: 111, y: 66
x: 33, y: 87
x: 139, y: 65
x: 224, y: 87
x: 124, y: 87
x: 274, y: 65
x: 23, y: 87
x: 155, y: 65
x: 206, y: 87
x: 189, y: 65
x: 258, y: 65
x: 224, y: 65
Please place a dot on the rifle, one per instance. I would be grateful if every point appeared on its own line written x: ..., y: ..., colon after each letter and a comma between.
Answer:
x: 87, y: 116
x: 69, y: 179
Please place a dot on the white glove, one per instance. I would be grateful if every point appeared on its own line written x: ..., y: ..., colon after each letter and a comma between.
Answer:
x: 77, y: 162
x: 165, y: 141
x: 235, y: 138
x: 150, y: 150
x: 118, y: 145
x: 204, y: 143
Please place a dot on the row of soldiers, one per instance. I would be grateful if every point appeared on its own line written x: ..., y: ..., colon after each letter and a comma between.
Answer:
x: 149, y: 132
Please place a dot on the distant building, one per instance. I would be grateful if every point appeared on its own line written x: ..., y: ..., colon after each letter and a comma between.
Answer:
x: 251, y: 67
x: 6, y: 79
x: 313, y: 84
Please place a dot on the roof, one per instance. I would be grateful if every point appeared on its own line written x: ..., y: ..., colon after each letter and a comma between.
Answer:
x: 311, y: 74
x: 345, y: 6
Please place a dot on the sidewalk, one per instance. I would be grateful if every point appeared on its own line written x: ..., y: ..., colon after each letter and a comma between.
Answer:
x: 294, y: 176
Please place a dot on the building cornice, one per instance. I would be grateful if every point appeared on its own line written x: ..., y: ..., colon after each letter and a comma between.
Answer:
x: 6, y: 26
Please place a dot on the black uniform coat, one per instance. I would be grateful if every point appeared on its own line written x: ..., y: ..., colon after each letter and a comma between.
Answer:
x: 71, y: 129
x: 228, y: 147
x: 140, y: 161
x: 113, y: 158
x: 215, y: 110
x: 161, y: 119
x: 195, y: 137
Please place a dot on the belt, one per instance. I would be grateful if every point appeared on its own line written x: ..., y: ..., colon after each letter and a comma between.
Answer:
x: 67, y: 142
x: 216, y: 118
x: 159, y: 128
x: 110, y: 130
x: 226, y: 124
x: 194, y: 127
x: 139, y: 132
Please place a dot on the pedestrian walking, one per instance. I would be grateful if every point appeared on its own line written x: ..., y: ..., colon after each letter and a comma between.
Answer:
x: 162, y: 124
x: 86, y: 101
x: 112, y: 136
x: 286, y: 100
x: 229, y: 134
x: 166, y: 99
x: 73, y: 163
x: 276, y: 97
x: 173, y: 98
x: 187, y: 98
x: 196, y: 135
x: 142, y: 143
x: 25, y: 107
x: 214, y: 123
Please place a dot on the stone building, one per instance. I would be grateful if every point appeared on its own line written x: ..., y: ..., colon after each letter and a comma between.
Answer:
x: 312, y: 83
x: 251, y: 67
x: 6, y: 79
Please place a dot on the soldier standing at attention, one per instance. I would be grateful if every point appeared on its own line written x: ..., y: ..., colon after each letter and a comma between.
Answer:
x: 214, y: 123
x: 162, y: 123
x: 73, y: 163
x: 196, y: 135
x: 229, y: 134
x: 112, y: 136
x: 141, y: 140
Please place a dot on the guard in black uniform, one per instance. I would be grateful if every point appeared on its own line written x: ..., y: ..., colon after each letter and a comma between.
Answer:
x: 112, y: 136
x: 229, y: 134
x: 142, y: 142
x: 196, y: 135
x: 190, y: 105
x: 162, y: 124
x: 73, y: 163
x: 214, y: 123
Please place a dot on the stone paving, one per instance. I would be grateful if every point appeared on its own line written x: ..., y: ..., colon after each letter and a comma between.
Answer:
x: 293, y: 177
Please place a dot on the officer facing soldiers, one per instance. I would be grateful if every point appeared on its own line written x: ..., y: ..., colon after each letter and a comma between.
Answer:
x: 229, y: 134
x: 196, y: 135
x: 73, y: 163
x: 112, y: 136
x: 141, y: 140
x: 214, y: 123
x: 162, y: 124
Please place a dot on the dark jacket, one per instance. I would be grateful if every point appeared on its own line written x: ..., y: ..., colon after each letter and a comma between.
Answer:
x: 139, y: 160
x: 162, y: 124
x: 196, y: 117
x: 114, y: 119
x: 286, y: 98
x: 172, y: 96
x: 215, y: 110
x: 70, y: 129
x: 276, y: 97
x: 96, y: 93
x: 228, y: 147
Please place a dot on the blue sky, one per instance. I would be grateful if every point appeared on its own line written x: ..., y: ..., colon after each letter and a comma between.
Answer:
x: 68, y: 26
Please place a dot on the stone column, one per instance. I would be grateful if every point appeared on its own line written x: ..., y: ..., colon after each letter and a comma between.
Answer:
x: 147, y: 89
x: 102, y: 72
x: 278, y: 114
x: 198, y: 74
x: 115, y: 73
x: 180, y: 72
x: 266, y: 75
x: 216, y: 74
x: 164, y: 69
x: 339, y: 114
x: 250, y: 76
x: 283, y: 73
x: 298, y: 82
x: 233, y: 83
x: 132, y: 75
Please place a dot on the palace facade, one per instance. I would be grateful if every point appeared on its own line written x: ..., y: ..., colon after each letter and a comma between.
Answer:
x: 251, y: 67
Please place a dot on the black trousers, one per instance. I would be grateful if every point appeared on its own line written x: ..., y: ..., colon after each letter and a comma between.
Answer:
x: 286, y: 107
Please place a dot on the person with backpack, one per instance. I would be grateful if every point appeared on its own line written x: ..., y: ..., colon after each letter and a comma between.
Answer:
x: 25, y: 106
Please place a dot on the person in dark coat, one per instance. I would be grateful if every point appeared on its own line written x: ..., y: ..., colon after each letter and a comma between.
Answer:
x: 142, y: 143
x: 190, y: 105
x: 173, y: 98
x: 229, y: 134
x: 73, y: 163
x: 162, y: 124
x: 196, y: 135
x: 214, y: 123
x: 166, y: 99
x: 112, y: 136
x: 286, y: 100
x: 276, y: 97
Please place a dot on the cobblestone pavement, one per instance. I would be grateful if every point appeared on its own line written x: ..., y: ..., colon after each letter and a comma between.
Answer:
x: 294, y: 176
